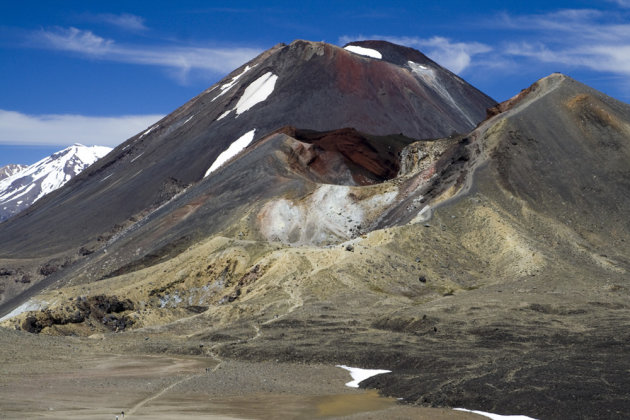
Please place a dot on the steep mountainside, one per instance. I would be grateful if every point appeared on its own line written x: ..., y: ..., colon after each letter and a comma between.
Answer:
x: 487, y: 269
x: 311, y: 86
x: 27, y: 185
x: 9, y: 170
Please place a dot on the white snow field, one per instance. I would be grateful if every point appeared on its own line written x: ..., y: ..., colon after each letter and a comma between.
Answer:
x: 495, y: 416
x: 359, y: 375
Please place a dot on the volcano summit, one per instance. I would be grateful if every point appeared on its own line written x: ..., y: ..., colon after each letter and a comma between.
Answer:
x: 359, y: 206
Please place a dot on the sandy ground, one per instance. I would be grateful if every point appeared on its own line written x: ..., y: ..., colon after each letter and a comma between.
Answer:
x: 70, y: 378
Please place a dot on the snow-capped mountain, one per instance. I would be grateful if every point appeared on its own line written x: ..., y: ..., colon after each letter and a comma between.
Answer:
x: 10, y: 170
x: 27, y: 184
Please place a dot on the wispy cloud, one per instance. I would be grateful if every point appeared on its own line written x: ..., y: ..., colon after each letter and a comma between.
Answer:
x: 124, y: 21
x: 64, y: 129
x: 178, y: 58
x: 455, y: 56
x: 621, y: 3
x: 75, y: 40
x: 585, y: 38
x: 590, y: 39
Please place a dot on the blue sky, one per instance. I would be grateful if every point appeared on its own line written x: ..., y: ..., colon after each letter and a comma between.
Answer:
x: 99, y: 72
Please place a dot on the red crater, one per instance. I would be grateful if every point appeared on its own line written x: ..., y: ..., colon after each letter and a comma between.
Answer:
x: 346, y: 156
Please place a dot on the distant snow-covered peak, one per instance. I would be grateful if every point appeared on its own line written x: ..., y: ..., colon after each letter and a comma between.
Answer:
x: 28, y: 185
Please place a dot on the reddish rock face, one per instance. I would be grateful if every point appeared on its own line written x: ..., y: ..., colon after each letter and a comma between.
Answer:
x: 332, y: 155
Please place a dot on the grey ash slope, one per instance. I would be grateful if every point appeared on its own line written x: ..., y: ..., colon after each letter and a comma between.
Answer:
x: 567, y: 155
x: 319, y: 86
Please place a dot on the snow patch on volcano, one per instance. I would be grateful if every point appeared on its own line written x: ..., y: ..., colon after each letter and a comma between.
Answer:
x: 258, y: 91
x: 229, y: 85
x: 368, y: 52
x: 148, y: 131
x: 238, y: 145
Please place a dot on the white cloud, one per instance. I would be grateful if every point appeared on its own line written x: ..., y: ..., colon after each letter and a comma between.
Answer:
x: 455, y: 56
x: 76, y: 40
x: 621, y: 3
x: 180, y: 59
x: 64, y: 129
x: 595, y: 40
x: 125, y: 21
x: 599, y: 57
x: 591, y: 39
x: 579, y: 24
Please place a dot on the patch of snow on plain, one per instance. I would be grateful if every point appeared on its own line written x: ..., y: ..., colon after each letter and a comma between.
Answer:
x: 227, y: 86
x: 495, y: 416
x: 241, y: 143
x: 368, y: 52
x: 359, y: 375
x: 29, y: 305
x: 256, y: 92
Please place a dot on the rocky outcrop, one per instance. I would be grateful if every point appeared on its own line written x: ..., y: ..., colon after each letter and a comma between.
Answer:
x: 101, y: 312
